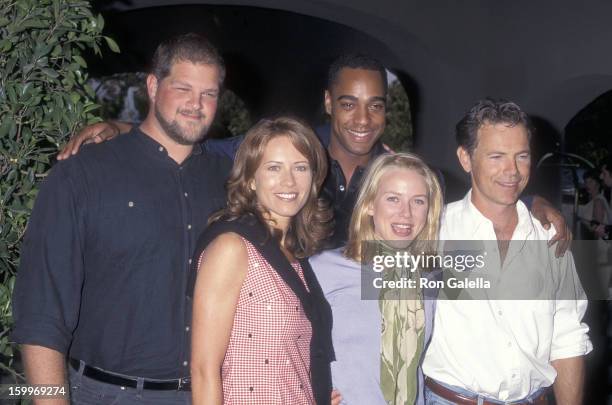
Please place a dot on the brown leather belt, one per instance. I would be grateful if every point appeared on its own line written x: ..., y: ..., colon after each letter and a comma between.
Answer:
x: 461, y: 399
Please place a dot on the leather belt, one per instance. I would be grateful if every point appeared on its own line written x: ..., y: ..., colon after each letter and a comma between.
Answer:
x: 461, y: 399
x: 180, y: 384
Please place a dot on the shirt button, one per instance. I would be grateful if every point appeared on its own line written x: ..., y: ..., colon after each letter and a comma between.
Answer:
x: 189, y: 226
x: 341, y: 188
x: 190, y: 261
x: 500, y: 313
x: 267, y: 361
x: 251, y: 389
x: 301, y: 386
x: 186, y: 195
x: 123, y: 388
x: 187, y: 328
x: 131, y: 204
x: 185, y: 363
x: 250, y: 335
x: 161, y: 149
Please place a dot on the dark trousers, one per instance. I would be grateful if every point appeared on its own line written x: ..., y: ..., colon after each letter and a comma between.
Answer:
x: 85, y: 391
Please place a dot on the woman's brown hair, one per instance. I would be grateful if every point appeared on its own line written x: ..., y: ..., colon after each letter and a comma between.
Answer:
x: 311, y: 226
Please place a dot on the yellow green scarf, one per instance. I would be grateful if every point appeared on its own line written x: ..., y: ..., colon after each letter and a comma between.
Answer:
x: 402, y: 338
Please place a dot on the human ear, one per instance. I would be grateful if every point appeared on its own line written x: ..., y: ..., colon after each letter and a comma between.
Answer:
x: 464, y: 159
x: 152, y: 84
x: 328, y: 102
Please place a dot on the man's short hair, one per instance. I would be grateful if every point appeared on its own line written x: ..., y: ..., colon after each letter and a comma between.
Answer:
x: 489, y: 112
x: 355, y: 61
x: 189, y: 47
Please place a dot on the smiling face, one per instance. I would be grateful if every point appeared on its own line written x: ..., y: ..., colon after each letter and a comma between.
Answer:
x: 499, y: 166
x: 400, y: 206
x: 185, y: 101
x: 356, y: 103
x: 283, y: 181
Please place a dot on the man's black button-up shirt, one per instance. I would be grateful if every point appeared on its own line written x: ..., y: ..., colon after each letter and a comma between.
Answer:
x: 106, y: 255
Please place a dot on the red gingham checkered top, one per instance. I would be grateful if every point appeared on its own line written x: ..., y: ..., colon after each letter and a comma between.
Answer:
x: 268, y: 357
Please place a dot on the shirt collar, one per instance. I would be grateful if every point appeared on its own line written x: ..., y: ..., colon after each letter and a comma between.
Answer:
x: 474, y: 220
x: 154, y: 147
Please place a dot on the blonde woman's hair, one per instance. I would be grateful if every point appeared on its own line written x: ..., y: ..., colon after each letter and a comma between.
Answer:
x: 361, y: 228
x: 310, y: 227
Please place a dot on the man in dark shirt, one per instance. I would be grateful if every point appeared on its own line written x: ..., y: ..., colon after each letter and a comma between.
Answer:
x: 356, y: 101
x: 106, y: 255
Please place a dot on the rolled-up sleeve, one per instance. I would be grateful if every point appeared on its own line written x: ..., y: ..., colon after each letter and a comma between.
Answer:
x: 570, y: 334
x: 47, y: 293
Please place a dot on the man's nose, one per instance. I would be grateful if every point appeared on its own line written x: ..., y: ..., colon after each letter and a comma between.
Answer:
x: 195, y: 101
x: 362, y: 115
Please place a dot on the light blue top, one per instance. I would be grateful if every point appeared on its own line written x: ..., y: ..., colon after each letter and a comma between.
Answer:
x: 356, y: 330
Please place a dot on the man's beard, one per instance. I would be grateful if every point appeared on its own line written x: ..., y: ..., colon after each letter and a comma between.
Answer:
x: 176, y: 133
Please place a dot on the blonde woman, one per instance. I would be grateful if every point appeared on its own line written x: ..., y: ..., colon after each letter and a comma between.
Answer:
x: 379, y: 343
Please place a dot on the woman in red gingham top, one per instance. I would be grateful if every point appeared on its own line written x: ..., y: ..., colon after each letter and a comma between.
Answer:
x: 261, y: 325
x: 267, y: 358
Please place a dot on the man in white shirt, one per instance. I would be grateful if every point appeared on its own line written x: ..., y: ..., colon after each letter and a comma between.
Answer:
x: 495, y: 351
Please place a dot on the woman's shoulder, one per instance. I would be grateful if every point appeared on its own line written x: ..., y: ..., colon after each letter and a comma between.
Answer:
x: 333, y: 258
x: 228, y: 245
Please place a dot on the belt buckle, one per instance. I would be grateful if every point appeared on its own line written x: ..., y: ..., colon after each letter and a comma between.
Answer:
x: 182, y: 382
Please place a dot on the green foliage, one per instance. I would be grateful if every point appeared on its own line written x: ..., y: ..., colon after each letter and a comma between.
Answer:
x: 232, y: 117
x: 398, y: 132
x: 43, y: 99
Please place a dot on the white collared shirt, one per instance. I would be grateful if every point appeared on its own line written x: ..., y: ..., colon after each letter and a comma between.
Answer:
x: 503, y: 348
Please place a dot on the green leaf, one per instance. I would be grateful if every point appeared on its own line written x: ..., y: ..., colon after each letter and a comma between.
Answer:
x: 5, y: 45
x: 50, y: 72
x: 112, y: 44
x: 79, y: 60
x: 100, y: 22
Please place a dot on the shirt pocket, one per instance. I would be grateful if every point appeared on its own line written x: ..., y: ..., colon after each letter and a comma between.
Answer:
x: 128, y: 227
